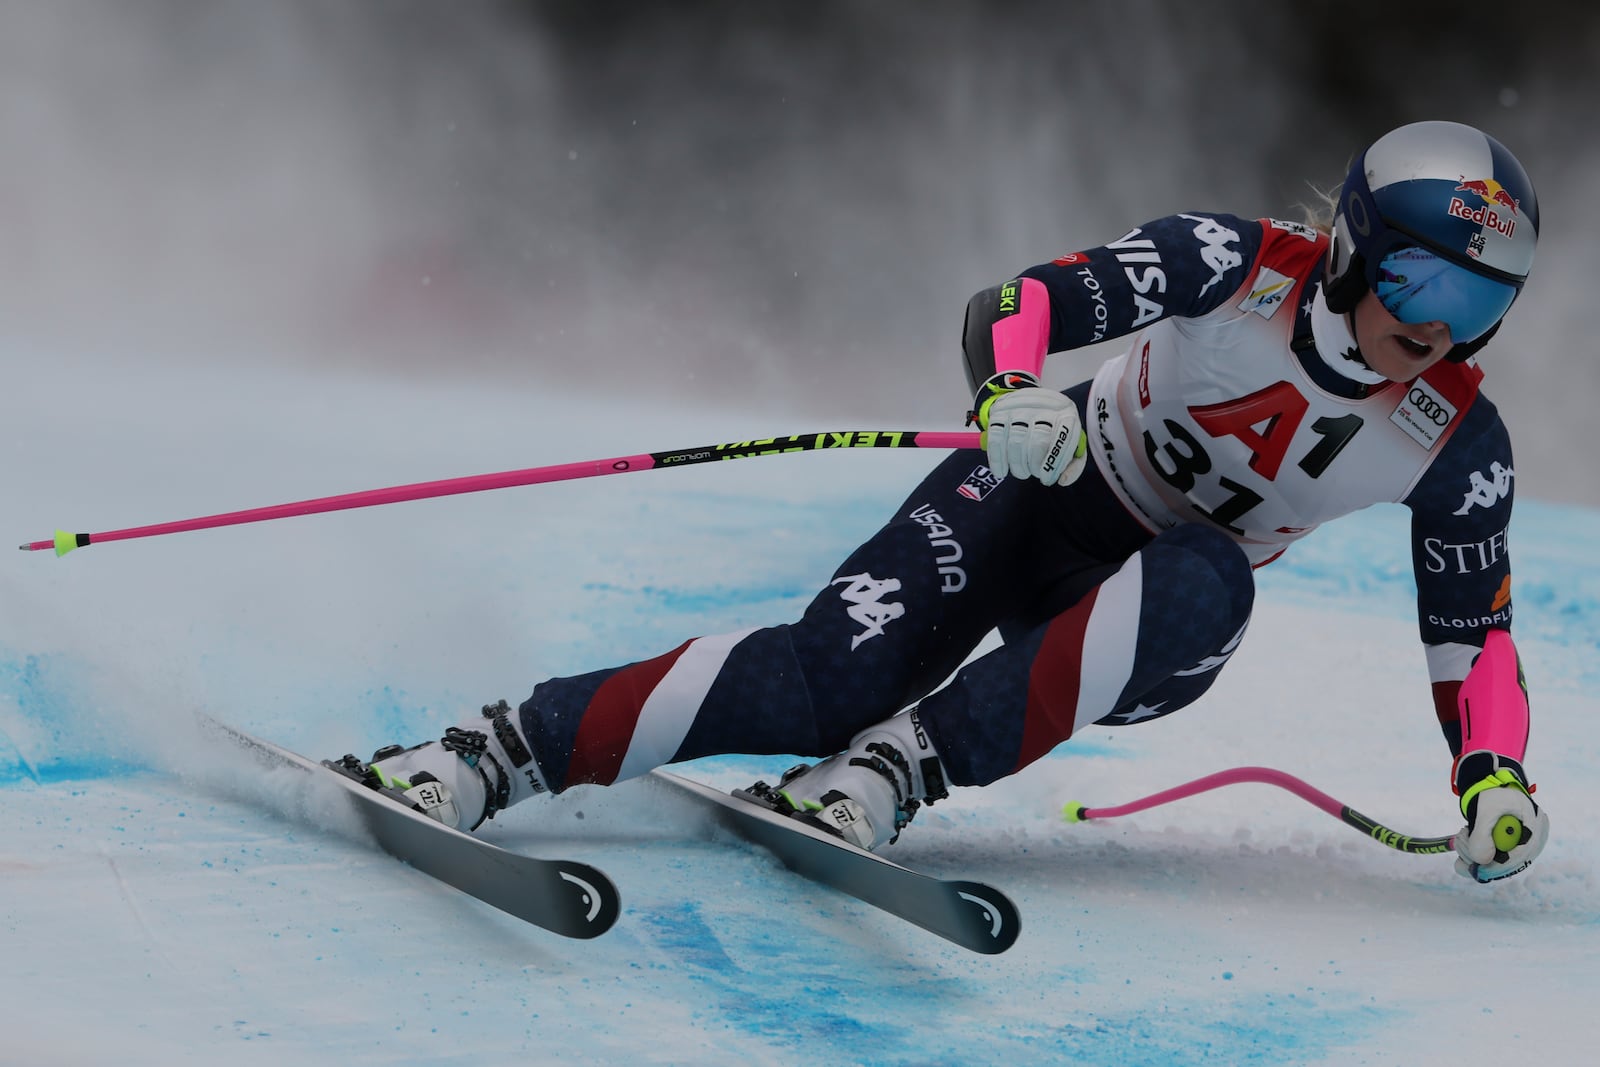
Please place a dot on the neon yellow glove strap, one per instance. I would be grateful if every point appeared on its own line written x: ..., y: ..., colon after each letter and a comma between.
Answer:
x: 998, y: 386
x: 996, y: 391
x: 1505, y: 776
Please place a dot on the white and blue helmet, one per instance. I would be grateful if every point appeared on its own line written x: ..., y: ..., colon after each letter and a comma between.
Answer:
x: 1441, y: 222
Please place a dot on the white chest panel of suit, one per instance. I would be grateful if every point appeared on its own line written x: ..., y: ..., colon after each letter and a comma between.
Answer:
x: 1214, y: 419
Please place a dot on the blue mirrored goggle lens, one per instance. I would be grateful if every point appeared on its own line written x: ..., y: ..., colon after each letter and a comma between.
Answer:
x: 1417, y: 286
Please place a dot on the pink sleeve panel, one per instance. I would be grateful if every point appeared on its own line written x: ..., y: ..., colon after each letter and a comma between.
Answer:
x: 1022, y: 332
x: 1493, y: 701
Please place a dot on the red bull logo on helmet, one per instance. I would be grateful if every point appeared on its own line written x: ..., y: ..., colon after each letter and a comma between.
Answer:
x: 1489, y: 191
x: 1494, y: 209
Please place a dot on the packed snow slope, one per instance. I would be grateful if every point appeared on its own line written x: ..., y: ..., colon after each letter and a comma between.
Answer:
x: 163, y: 901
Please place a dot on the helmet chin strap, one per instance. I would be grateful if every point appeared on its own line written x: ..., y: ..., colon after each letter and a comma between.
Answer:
x: 1467, y: 349
x: 1336, y: 344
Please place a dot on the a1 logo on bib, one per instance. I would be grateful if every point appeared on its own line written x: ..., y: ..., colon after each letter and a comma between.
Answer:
x: 1423, y: 414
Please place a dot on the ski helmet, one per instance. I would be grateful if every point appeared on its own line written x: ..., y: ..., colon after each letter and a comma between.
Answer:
x: 1440, y: 221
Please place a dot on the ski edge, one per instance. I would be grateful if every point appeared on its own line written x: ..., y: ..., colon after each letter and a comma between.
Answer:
x: 949, y: 908
x: 585, y: 902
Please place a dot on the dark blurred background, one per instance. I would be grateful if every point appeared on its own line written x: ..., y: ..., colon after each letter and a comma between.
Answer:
x: 781, y: 206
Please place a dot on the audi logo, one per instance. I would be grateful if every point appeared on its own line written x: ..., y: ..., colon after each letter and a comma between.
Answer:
x: 1427, y: 406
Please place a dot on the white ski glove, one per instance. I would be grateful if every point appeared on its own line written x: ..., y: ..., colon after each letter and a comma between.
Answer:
x: 1030, y: 432
x: 1505, y: 829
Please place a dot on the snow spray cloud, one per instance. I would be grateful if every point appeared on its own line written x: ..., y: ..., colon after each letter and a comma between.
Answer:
x: 770, y: 205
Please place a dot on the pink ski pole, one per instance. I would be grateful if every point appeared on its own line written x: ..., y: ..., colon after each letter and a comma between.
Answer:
x: 1075, y: 811
x: 64, y: 542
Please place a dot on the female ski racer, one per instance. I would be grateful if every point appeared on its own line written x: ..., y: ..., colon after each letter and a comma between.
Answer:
x: 1278, y: 376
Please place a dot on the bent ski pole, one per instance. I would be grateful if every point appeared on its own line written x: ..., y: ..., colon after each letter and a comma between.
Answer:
x: 65, y: 542
x: 1078, y: 812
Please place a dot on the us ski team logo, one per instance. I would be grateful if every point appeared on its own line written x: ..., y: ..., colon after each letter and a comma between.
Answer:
x: 862, y: 593
x: 979, y: 484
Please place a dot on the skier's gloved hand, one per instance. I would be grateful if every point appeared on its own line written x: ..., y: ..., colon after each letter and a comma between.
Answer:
x: 1030, y: 431
x: 1505, y: 829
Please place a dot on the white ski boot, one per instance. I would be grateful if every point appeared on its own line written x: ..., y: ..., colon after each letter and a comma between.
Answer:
x: 465, y: 777
x: 869, y: 792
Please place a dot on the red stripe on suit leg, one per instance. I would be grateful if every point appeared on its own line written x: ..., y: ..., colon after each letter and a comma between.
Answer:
x: 609, y: 720
x: 1446, y: 702
x: 1053, y: 682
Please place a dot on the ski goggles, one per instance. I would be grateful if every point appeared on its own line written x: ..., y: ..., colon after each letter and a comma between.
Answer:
x: 1416, y: 285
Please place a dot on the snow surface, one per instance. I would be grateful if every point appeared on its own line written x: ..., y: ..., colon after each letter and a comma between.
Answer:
x: 163, y: 902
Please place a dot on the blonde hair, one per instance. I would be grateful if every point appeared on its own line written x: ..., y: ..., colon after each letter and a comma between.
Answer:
x: 1319, y: 213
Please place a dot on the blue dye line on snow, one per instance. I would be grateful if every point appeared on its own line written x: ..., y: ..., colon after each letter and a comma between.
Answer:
x: 56, y: 772
x: 867, y: 1019
x: 59, y: 740
x: 806, y: 999
x: 1274, y: 1028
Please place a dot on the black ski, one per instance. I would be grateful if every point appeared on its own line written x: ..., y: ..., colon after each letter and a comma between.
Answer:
x: 569, y: 898
x: 971, y: 914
